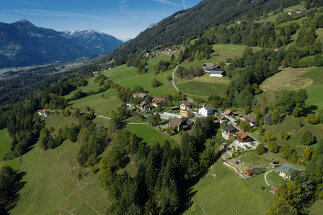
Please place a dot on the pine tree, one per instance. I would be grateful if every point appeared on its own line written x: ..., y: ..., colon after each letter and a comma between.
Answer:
x: 307, y: 154
x: 307, y: 138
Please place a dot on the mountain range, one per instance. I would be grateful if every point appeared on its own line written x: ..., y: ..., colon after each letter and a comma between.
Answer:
x: 23, y: 44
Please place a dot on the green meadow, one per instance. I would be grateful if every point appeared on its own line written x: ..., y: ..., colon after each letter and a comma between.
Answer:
x: 5, y: 143
x: 149, y: 134
x: 315, y: 90
x: 91, y: 86
x: 102, y: 103
x: 297, y: 21
x: 226, y: 51
x: 129, y: 77
x: 296, y: 128
x: 204, y: 86
x: 57, y: 185
x: 222, y: 191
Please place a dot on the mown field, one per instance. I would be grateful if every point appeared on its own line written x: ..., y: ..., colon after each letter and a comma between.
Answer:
x: 289, y: 78
x: 5, y: 143
x: 149, y: 134
x: 317, y: 208
x: 102, y: 103
x: 221, y: 191
x: 310, y: 79
x: 203, y: 87
x: 56, y: 184
x: 91, y: 86
x: 226, y: 51
x: 315, y: 91
x: 129, y: 77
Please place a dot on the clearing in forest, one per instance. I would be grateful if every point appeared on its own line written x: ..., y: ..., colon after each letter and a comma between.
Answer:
x: 288, y: 78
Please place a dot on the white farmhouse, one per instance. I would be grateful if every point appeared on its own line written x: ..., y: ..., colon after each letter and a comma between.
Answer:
x: 206, y: 110
x: 219, y: 74
x: 185, y: 106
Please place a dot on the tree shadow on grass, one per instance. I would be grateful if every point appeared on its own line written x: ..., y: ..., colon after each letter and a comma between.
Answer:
x: 310, y: 109
x: 11, y: 195
x: 189, y: 193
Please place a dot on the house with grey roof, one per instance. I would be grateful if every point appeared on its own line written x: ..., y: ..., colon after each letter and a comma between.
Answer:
x: 229, y: 131
x: 206, y: 110
x: 209, y: 67
x: 286, y: 172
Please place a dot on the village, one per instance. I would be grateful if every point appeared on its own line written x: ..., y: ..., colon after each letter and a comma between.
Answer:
x: 181, y: 117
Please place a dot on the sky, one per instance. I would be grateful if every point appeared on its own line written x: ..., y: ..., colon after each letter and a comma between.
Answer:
x: 123, y: 19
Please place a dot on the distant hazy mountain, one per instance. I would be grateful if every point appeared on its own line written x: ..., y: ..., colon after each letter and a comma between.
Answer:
x: 23, y: 44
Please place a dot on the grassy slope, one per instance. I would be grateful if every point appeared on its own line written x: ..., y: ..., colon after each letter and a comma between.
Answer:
x: 5, y: 142
x: 59, y: 121
x: 297, y: 21
x: 317, y: 208
x: 288, y: 78
x: 149, y: 134
x: 91, y: 86
x: 205, y: 86
x: 292, y: 125
x: 309, y: 78
x: 230, y: 50
x: 315, y: 90
x: 222, y: 191
x: 128, y: 77
x: 101, y: 104
x: 53, y: 186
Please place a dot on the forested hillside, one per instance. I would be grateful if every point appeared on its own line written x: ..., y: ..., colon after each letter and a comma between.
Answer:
x: 112, y: 139
x: 196, y: 20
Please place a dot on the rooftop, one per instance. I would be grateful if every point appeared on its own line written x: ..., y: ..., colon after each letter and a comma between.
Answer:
x: 227, y: 112
x: 229, y: 128
x: 217, y: 72
x: 290, y: 169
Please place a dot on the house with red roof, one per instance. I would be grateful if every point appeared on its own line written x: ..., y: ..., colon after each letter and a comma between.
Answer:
x: 139, y: 95
x: 43, y: 112
x: 157, y: 101
x: 228, y: 113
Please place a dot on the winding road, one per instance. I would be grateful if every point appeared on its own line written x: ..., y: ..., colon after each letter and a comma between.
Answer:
x: 174, y: 78
x: 266, y: 177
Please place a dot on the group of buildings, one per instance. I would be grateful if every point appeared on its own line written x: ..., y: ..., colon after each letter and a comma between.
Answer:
x: 242, y: 140
x: 213, y: 69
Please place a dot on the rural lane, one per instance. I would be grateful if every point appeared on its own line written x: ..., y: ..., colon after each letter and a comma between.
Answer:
x: 174, y: 78
x: 266, y: 177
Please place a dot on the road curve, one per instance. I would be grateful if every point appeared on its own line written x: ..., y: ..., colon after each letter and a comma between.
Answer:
x: 266, y: 177
x: 173, y: 80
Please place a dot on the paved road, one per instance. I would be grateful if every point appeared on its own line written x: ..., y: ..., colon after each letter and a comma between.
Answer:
x: 266, y: 177
x: 174, y: 78
x: 101, y: 116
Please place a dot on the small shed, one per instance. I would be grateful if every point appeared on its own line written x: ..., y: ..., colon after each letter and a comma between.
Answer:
x: 249, y: 172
